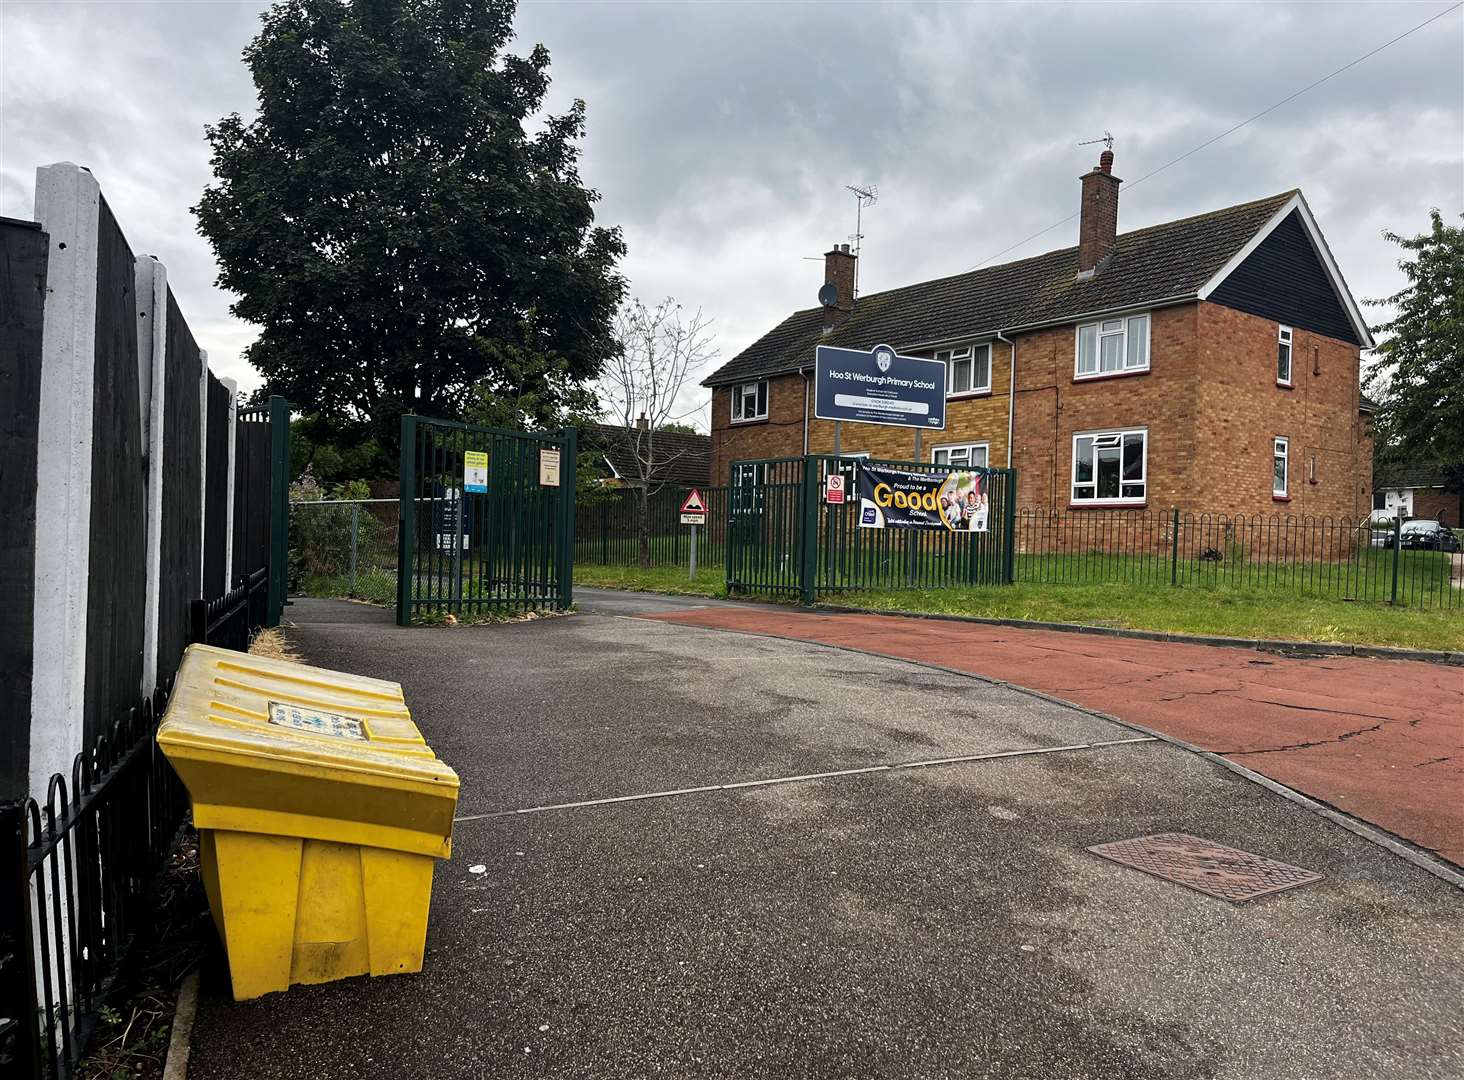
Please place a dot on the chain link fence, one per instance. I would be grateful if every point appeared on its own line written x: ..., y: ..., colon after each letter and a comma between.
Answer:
x: 344, y: 548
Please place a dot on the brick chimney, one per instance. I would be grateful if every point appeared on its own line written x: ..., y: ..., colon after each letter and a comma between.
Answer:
x: 643, y: 422
x: 1098, y: 217
x: 839, y: 272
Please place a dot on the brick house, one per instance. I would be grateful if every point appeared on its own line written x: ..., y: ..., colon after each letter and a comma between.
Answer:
x: 1418, y: 491
x: 1210, y: 363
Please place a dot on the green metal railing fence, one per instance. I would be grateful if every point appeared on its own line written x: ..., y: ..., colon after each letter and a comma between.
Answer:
x: 1323, y: 557
x: 607, y: 525
x: 784, y: 539
x: 469, y: 553
x: 345, y: 547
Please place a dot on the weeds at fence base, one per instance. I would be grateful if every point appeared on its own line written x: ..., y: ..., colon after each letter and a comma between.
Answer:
x: 377, y: 588
x: 133, y: 1027
x: 271, y: 644
x: 485, y: 618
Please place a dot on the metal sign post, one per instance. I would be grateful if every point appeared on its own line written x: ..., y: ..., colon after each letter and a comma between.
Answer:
x: 693, y: 513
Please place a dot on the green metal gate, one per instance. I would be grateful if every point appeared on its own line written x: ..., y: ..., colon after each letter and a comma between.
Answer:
x: 468, y: 552
x: 783, y: 539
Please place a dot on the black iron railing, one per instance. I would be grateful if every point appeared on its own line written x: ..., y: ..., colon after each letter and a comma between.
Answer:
x: 230, y: 620
x: 75, y: 885
x: 1324, y: 557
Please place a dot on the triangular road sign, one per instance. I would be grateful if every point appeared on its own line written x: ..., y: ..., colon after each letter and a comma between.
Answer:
x: 693, y: 503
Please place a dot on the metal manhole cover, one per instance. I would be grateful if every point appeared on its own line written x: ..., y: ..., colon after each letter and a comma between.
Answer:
x: 1208, y: 867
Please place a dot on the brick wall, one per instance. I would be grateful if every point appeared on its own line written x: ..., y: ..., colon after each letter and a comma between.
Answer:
x: 780, y: 435
x: 1242, y: 410
x: 1439, y: 505
x: 1053, y: 406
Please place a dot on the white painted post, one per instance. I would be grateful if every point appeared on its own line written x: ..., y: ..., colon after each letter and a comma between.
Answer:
x: 68, y: 206
x: 202, y: 465
x: 150, y: 279
x: 233, y: 388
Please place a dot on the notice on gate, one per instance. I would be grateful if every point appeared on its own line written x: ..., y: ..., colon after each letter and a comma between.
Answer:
x: 951, y: 500
x: 834, y: 489
x: 548, y: 468
x: 475, y: 472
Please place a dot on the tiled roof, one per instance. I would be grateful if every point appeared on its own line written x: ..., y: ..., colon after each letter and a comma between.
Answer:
x: 1163, y: 262
x: 1396, y: 477
x: 679, y: 458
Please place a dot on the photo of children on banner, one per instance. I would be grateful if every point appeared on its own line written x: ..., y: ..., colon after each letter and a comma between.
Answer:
x: 963, y: 502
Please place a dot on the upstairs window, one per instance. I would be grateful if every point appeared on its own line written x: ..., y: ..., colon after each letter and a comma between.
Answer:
x: 1283, y: 356
x: 968, y: 369
x: 1111, y: 466
x: 1113, y: 347
x: 750, y: 401
x: 961, y: 457
x: 1280, y: 465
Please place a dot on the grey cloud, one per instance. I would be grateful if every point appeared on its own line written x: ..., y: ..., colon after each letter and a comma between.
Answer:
x: 721, y: 135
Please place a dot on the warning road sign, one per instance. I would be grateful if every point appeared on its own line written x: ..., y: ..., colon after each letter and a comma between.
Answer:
x: 694, y: 503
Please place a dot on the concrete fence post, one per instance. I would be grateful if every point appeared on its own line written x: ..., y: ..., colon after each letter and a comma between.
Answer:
x: 150, y: 281
x: 68, y: 207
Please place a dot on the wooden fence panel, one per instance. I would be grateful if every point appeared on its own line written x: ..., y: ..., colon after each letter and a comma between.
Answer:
x: 216, y: 490
x: 117, y: 585
x: 22, y: 299
x: 182, y: 528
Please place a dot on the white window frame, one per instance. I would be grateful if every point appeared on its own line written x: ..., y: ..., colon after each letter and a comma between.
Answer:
x: 1281, y: 451
x: 1121, y: 332
x: 1120, y: 499
x: 970, y: 450
x: 740, y: 394
x: 950, y: 357
x: 1285, y: 339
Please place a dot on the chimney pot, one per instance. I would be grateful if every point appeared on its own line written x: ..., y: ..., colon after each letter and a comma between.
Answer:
x: 1105, y: 161
x: 642, y: 422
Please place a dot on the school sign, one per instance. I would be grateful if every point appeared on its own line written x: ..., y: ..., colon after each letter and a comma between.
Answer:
x: 879, y: 387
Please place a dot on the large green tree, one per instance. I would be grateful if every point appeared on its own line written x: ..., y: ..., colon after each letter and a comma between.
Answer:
x: 402, y: 221
x: 1419, y: 371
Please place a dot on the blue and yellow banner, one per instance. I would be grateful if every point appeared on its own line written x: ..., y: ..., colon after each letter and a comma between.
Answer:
x: 954, y: 500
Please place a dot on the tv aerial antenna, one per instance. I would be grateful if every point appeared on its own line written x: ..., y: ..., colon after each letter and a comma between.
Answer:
x: 1107, y: 141
x: 864, y: 195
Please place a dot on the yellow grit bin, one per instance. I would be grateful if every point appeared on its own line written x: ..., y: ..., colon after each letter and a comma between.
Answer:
x: 320, y: 813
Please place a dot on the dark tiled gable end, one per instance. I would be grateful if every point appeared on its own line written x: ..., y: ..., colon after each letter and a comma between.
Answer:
x: 1150, y: 265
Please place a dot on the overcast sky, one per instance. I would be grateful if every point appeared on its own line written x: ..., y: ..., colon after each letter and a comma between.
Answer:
x: 721, y: 135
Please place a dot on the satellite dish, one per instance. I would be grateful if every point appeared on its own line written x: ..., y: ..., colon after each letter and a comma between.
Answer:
x: 828, y: 296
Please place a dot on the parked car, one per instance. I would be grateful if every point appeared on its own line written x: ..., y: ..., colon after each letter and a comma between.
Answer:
x: 1427, y: 535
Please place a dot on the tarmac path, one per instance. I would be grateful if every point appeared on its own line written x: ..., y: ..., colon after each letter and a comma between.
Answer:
x: 1382, y: 740
x: 872, y: 920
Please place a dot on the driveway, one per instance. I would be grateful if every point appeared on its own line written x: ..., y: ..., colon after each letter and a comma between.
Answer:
x: 1382, y: 740
x: 929, y: 921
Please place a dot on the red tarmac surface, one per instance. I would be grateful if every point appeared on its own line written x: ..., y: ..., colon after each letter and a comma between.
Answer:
x: 1382, y: 740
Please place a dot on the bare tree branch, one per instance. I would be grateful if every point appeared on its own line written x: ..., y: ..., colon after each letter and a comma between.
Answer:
x: 659, y: 348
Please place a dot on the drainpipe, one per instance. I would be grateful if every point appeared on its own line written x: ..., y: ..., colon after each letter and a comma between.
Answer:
x: 1011, y: 394
x: 804, y: 373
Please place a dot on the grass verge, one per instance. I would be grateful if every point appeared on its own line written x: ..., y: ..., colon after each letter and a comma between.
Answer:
x: 674, y: 580
x: 1225, y: 611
